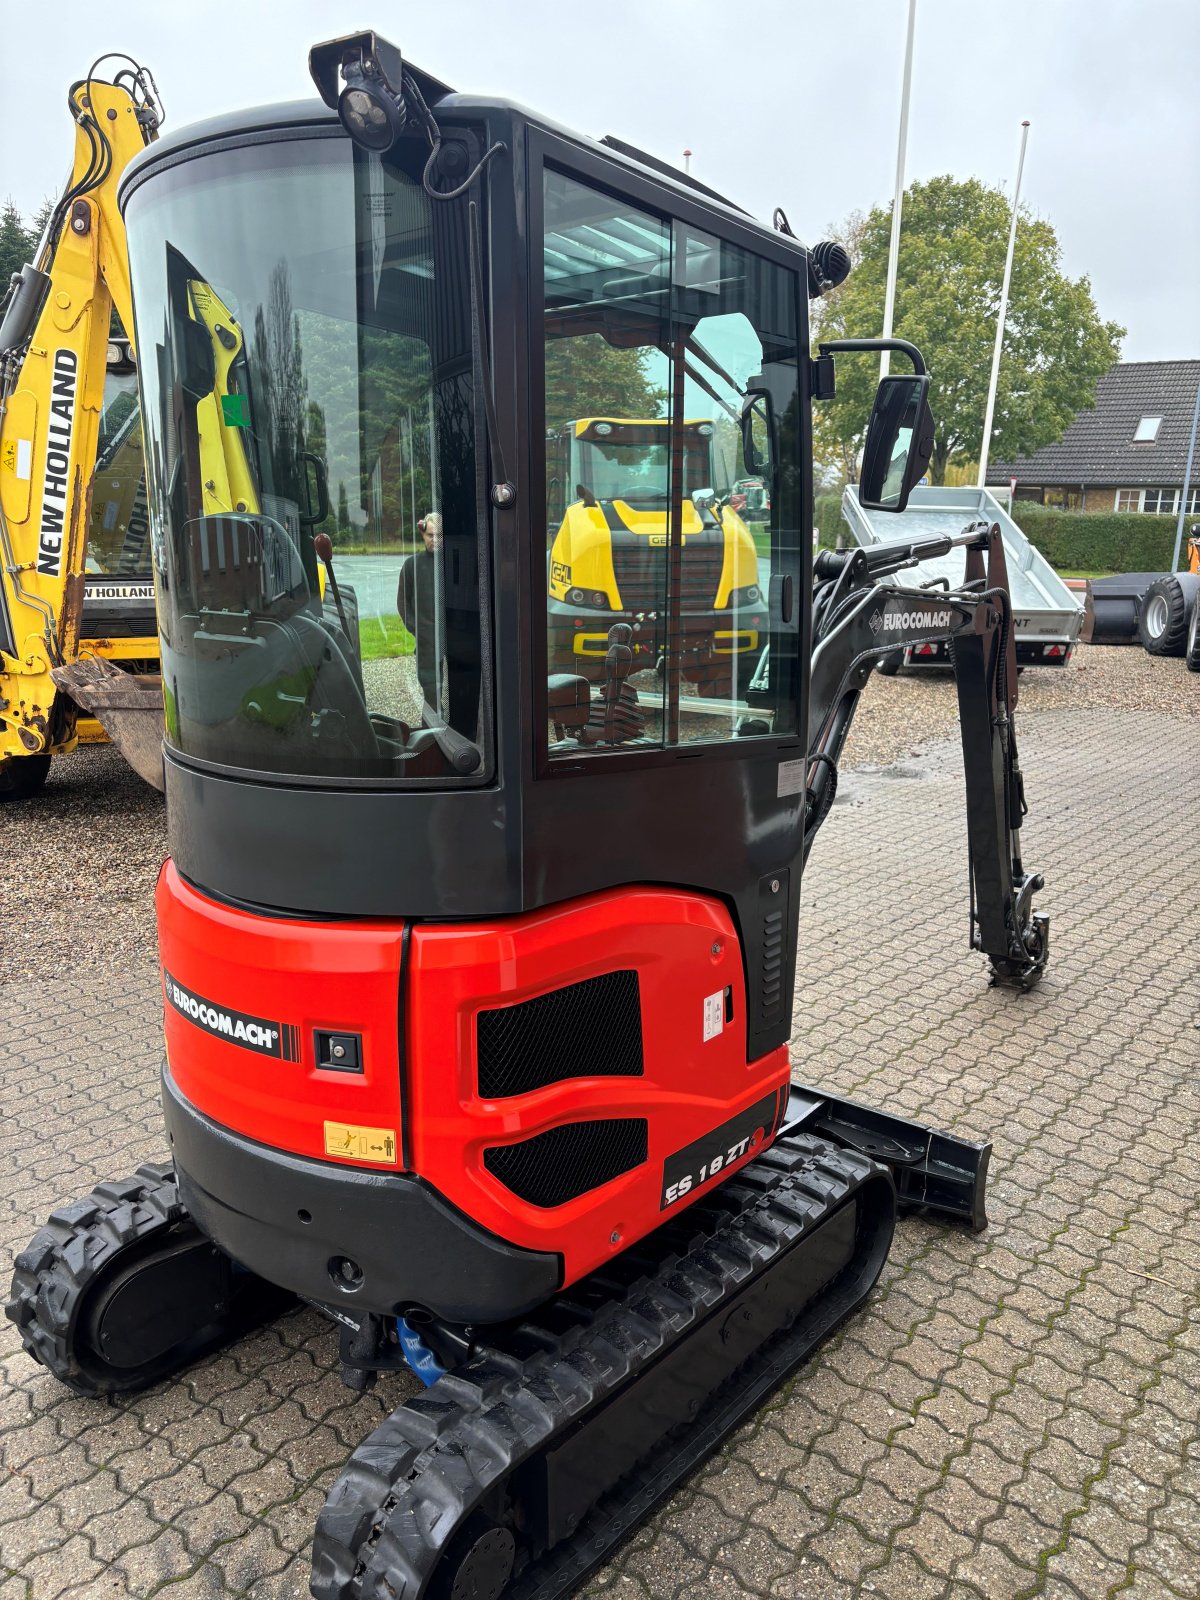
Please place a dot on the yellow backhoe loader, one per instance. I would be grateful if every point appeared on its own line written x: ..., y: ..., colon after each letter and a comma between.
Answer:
x: 75, y: 584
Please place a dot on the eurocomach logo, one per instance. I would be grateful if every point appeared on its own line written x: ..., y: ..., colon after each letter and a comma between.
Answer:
x: 260, y: 1034
x: 917, y: 619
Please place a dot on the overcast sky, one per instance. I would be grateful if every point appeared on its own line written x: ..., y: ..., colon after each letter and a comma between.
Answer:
x: 783, y: 102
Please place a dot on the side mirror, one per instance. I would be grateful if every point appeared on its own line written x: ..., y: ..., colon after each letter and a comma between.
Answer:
x: 758, y: 433
x: 899, y: 442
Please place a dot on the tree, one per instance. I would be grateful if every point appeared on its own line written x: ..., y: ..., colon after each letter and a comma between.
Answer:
x: 588, y: 377
x: 952, y: 246
x: 16, y: 244
x: 41, y: 217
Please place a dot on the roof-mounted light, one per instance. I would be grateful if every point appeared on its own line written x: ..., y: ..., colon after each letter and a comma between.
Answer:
x: 371, y: 105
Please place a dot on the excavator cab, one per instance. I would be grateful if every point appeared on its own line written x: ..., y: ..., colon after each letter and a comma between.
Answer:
x: 300, y: 296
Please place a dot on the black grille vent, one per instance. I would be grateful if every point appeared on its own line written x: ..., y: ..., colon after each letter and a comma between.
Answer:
x: 591, y: 1029
x: 641, y: 571
x: 772, y: 965
x: 554, y: 1167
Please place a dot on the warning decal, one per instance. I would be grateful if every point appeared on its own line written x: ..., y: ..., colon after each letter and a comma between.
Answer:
x: 353, y: 1143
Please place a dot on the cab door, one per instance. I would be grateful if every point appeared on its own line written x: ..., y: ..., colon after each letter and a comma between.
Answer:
x: 668, y: 343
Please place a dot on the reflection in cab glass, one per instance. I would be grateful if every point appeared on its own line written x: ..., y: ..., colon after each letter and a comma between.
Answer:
x: 307, y: 337
x: 671, y: 362
x: 118, y: 543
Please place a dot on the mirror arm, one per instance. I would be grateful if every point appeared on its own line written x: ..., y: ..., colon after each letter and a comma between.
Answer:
x: 900, y: 345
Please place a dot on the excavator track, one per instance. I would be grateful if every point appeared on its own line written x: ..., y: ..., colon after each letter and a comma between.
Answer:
x: 519, y: 1472
x: 120, y: 1288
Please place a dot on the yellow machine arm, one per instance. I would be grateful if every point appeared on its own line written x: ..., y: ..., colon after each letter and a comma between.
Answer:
x: 227, y: 476
x: 53, y: 351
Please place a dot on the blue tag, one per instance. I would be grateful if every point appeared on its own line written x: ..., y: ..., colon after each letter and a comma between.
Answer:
x: 418, y: 1354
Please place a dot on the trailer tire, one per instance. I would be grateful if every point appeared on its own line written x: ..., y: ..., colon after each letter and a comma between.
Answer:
x: 23, y: 777
x: 1163, y: 618
x: 1191, y: 654
x: 888, y: 666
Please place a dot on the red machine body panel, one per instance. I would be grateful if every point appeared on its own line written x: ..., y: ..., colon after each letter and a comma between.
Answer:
x: 684, y: 950
x: 696, y: 1091
x: 293, y: 977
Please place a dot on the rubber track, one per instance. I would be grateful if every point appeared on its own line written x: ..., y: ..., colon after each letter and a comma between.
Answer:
x: 82, y: 1242
x: 53, y: 1273
x: 414, y: 1483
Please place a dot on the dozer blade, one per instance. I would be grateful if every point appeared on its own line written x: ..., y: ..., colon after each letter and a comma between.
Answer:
x: 127, y: 705
x: 519, y: 1472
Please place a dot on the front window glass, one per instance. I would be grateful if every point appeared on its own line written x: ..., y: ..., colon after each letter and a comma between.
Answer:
x: 672, y: 485
x: 305, y: 335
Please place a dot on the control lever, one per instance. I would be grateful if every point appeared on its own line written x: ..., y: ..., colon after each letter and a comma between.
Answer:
x: 323, y: 545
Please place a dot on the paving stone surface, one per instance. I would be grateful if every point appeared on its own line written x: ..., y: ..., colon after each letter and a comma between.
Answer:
x: 1013, y: 1414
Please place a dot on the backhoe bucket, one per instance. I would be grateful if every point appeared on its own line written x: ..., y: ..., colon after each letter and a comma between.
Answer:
x: 127, y: 705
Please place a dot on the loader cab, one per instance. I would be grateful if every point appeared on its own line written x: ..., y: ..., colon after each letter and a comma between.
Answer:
x: 118, y: 620
x: 321, y: 345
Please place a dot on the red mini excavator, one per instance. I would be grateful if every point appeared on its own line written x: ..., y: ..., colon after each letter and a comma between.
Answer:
x: 478, y: 975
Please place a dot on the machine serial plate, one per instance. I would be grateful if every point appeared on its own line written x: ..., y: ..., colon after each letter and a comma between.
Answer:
x: 723, y: 1147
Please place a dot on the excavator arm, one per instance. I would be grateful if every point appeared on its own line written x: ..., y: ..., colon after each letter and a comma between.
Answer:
x: 53, y: 355
x: 859, y: 617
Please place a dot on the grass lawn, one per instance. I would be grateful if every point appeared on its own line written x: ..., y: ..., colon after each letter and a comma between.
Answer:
x: 382, y: 638
x: 382, y: 547
x: 1082, y: 572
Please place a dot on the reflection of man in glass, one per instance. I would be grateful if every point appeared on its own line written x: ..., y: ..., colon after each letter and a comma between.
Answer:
x: 419, y: 602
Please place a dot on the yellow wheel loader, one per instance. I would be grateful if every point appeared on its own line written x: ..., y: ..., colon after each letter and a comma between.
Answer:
x: 609, y: 491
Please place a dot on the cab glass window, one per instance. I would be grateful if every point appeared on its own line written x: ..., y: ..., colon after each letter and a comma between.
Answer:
x: 119, y: 525
x: 307, y: 372
x: 672, y: 481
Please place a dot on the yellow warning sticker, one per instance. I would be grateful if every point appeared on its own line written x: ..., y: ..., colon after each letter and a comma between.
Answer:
x: 352, y: 1143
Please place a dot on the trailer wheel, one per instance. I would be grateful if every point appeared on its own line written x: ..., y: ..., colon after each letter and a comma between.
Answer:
x: 22, y: 777
x: 1163, y: 619
x: 1191, y: 654
x: 890, y: 664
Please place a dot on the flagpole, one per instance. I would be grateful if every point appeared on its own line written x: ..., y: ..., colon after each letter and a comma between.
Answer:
x: 889, y: 301
x: 1008, y: 261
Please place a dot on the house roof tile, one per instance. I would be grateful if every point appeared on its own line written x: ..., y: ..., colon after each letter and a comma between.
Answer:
x: 1098, y: 449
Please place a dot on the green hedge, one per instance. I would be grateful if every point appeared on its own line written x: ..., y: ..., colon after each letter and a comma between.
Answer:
x: 827, y: 515
x: 1080, y: 541
x: 1098, y: 541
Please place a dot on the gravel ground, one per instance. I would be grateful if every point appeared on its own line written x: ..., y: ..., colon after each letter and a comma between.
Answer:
x: 81, y: 862
x: 897, y: 718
